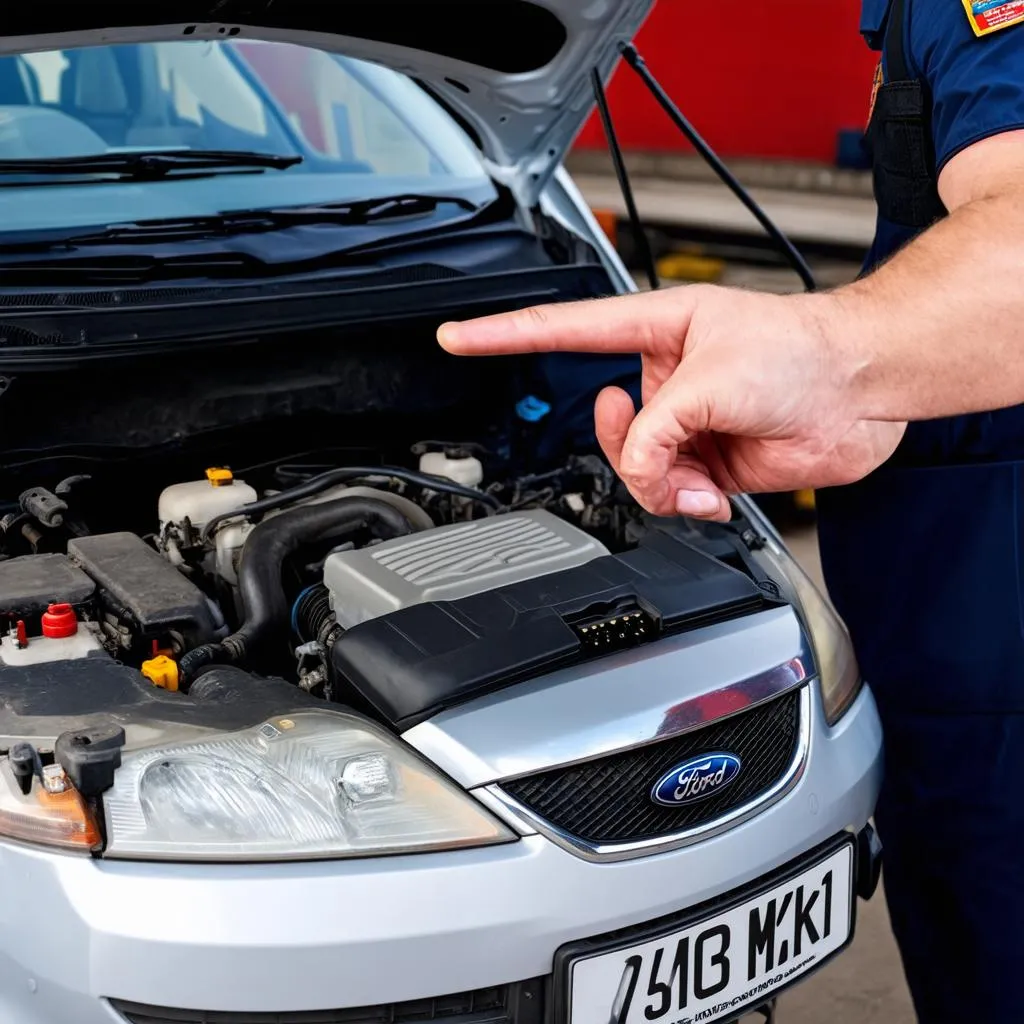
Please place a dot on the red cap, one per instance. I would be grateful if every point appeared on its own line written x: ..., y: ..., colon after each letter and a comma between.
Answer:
x: 59, y: 620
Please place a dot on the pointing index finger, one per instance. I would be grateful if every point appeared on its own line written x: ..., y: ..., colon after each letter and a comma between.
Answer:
x: 625, y: 323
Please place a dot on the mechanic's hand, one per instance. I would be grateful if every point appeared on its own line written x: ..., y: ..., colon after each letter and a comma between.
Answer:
x: 742, y: 392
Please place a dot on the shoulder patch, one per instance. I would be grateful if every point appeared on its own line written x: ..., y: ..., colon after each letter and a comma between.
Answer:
x: 987, y: 16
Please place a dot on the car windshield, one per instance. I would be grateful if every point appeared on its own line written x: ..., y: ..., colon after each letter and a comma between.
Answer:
x: 346, y: 129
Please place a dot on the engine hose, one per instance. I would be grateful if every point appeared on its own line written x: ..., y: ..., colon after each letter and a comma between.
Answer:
x: 332, y: 478
x: 312, y: 617
x: 264, y: 602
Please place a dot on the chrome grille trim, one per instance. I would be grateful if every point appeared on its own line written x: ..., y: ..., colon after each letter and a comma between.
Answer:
x: 610, y: 852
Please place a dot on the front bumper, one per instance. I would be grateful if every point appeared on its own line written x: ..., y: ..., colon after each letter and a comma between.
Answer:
x: 285, y: 938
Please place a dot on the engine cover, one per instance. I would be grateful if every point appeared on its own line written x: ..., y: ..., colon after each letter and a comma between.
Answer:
x: 419, y: 660
x: 453, y: 562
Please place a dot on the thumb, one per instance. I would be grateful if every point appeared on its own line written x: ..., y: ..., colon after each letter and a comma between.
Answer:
x: 659, y: 463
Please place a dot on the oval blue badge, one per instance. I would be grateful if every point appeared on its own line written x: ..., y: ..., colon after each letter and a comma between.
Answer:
x: 696, y: 779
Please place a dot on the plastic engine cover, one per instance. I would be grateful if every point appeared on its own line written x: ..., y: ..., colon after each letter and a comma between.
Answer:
x: 453, y: 562
x: 420, y: 659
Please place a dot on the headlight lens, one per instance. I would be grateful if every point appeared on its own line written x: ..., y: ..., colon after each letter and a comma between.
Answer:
x: 833, y: 652
x: 315, y: 784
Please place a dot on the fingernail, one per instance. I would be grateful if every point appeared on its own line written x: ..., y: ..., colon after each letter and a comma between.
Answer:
x: 446, y: 333
x: 697, y: 503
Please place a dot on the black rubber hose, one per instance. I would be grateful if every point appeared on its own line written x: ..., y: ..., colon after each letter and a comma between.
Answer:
x: 321, y: 483
x: 312, y: 613
x: 264, y: 602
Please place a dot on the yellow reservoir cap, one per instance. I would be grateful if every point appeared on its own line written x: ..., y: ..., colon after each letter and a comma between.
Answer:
x: 46, y: 819
x: 220, y: 477
x: 162, y: 671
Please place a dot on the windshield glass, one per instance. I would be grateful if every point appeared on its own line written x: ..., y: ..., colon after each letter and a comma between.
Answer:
x: 361, y: 131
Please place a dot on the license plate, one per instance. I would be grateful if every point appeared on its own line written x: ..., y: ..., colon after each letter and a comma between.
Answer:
x: 713, y: 969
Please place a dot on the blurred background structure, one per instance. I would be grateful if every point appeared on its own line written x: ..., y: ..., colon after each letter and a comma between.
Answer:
x: 781, y: 89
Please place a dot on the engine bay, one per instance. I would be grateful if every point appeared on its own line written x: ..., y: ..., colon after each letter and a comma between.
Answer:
x: 273, y: 528
x: 394, y: 590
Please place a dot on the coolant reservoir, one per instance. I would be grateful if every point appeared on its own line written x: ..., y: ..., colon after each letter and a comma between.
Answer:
x: 199, y: 501
x: 453, y: 465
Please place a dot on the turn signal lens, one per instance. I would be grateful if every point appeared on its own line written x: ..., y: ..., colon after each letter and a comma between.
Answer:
x: 45, y: 818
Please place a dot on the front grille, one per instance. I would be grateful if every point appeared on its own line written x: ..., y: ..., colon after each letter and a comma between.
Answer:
x: 608, y: 800
x: 522, y: 1003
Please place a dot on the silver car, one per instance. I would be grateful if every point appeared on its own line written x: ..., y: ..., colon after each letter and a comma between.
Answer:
x: 340, y: 680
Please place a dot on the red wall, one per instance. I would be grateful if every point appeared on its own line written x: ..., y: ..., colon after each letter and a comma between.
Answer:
x: 759, y: 78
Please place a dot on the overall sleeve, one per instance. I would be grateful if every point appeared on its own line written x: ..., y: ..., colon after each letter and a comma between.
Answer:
x: 977, y: 82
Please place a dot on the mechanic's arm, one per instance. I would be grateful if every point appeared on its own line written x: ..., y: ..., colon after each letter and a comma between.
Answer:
x: 939, y: 330
x: 753, y: 392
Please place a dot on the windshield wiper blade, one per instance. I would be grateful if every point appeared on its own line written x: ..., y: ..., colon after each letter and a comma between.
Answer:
x: 150, y: 163
x: 238, y: 222
x: 366, y: 211
x: 127, y: 270
x: 345, y: 214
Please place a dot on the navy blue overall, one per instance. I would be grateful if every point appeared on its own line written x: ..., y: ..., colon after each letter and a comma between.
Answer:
x: 924, y: 561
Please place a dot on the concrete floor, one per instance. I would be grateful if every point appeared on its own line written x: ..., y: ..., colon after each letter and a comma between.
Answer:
x: 865, y: 984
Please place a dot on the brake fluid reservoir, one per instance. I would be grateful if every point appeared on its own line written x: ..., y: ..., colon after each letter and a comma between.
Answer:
x: 453, y: 465
x: 199, y: 501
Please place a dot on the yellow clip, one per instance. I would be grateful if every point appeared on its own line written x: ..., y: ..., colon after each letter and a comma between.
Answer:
x: 162, y: 671
x: 219, y: 477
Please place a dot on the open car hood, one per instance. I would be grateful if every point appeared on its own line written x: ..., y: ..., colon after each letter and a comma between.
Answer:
x: 516, y: 71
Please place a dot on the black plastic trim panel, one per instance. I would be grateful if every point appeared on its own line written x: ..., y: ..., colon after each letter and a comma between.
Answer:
x: 82, y: 335
x: 521, y: 1003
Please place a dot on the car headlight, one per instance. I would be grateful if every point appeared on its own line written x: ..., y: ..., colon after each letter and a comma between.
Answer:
x: 833, y: 651
x: 317, y: 784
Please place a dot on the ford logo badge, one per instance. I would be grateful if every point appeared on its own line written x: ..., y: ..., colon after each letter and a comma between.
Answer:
x: 696, y: 779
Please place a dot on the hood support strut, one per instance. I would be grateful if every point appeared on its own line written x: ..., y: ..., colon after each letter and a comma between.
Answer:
x: 640, y: 239
x: 784, y: 244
